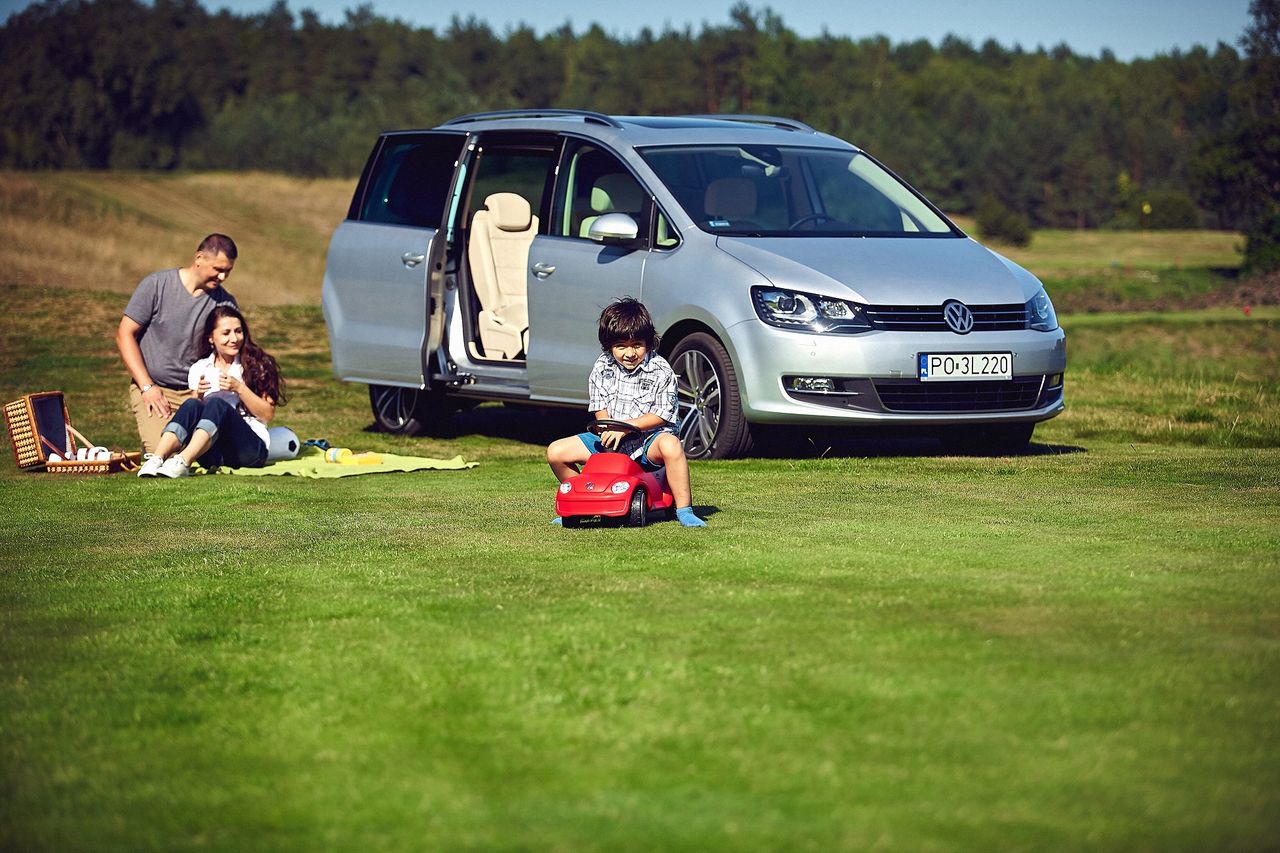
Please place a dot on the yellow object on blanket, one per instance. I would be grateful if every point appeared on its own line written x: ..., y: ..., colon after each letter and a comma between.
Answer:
x: 344, y: 456
x: 311, y: 463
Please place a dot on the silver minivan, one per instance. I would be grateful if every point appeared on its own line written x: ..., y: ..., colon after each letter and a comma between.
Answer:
x: 792, y: 277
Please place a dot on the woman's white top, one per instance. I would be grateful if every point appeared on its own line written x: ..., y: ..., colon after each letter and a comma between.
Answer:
x: 207, y: 369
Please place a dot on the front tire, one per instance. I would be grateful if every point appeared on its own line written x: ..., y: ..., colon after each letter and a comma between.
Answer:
x: 711, y: 422
x: 406, y: 411
x: 638, y: 515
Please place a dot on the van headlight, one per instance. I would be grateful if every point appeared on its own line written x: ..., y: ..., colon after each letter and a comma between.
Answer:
x: 1040, y: 313
x: 808, y: 312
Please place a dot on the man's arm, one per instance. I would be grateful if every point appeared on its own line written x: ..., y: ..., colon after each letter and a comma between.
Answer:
x: 127, y: 342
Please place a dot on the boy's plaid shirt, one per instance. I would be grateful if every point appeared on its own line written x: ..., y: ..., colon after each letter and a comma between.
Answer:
x: 649, y: 389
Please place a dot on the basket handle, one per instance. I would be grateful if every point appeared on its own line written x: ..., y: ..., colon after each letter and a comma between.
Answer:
x: 78, y: 434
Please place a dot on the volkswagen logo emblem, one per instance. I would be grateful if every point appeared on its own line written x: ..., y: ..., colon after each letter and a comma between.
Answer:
x: 958, y: 317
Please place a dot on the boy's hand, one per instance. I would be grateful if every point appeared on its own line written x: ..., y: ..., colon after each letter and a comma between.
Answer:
x: 610, y: 438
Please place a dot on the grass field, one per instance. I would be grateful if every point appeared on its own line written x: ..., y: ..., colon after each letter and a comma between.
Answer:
x: 871, y: 646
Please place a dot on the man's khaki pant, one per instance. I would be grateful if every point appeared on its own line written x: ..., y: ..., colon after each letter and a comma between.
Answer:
x: 151, y: 426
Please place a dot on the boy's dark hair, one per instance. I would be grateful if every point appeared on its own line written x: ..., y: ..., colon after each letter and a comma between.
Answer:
x: 627, y: 320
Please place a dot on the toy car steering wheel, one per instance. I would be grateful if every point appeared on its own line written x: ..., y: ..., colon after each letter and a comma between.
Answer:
x: 609, y: 424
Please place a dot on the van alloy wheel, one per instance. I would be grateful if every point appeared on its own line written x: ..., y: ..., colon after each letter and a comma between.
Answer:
x: 407, y: 411
x: 711, y: 424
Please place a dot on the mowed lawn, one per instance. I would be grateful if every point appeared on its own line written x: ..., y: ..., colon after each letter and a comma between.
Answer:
x: 872, y: 645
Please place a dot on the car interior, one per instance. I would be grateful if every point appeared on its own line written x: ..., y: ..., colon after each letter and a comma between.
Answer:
x: 498, y: 254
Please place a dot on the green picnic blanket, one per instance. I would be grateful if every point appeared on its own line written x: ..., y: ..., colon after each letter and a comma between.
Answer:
x: 310, y: 463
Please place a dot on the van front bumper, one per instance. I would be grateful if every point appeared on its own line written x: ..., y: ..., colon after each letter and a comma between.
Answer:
x: 872, y: 378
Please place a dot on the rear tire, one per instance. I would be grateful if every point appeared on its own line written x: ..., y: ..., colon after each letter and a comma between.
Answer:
x: 407, y: 411
x: 711, y: 422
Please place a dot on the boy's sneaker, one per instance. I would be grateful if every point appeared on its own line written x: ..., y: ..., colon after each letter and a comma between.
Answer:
x: 150, y: 466
x: 175, y: 466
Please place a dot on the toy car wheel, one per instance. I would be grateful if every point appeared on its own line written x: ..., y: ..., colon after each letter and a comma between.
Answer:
x: 638, y: 515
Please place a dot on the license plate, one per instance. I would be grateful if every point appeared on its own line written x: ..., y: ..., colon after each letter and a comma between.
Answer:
x: 943, y: 367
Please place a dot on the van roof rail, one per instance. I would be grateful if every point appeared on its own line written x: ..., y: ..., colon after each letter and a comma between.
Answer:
x: 772, y: 121
x: 585, y: 115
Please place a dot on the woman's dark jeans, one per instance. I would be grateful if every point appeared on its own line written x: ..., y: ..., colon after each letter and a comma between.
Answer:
x: 235, y: 444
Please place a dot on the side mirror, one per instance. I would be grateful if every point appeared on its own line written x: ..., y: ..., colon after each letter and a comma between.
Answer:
x: 613, y: 229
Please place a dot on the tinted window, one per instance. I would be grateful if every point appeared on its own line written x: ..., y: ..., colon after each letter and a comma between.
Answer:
x: 757, y: 190
x: 510, y: 169
x: 409, y: 184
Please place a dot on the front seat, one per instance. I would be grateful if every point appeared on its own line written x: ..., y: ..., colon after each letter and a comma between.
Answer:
x: 498, y: 254
x: 732, y: 199
x: 616, y: 193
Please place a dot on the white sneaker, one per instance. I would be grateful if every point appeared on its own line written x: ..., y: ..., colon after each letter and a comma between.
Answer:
x: 175, y: 466
x: 150, y: 466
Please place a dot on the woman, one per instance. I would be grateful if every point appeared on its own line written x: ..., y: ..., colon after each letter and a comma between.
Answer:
x: 239, y: 387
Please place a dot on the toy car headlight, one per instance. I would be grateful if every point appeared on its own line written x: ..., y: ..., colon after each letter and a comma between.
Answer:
x: 565, y: 488
x: 618, y: 487
x: 807, y: 312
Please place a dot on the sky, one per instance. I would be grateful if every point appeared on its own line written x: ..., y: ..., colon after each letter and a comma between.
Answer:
x: 1128, y: 28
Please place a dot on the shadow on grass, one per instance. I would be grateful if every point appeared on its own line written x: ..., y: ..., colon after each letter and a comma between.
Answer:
x: 873, y: 442
x: 540, y: 426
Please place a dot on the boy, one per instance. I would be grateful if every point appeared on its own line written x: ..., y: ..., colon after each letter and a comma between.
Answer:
x: 630, y: 382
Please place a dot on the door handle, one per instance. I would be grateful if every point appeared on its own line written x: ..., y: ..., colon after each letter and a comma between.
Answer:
x: 542, y: 270
x: 412, y: 259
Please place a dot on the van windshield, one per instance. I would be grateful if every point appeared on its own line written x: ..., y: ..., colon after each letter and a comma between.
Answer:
x: 776, y: 191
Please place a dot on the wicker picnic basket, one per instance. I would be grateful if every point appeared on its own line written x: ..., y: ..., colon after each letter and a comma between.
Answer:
x: 40, y: 427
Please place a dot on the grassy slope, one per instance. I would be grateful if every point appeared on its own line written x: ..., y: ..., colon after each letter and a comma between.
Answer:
x: 106, y: 230
x: 1078, y: 647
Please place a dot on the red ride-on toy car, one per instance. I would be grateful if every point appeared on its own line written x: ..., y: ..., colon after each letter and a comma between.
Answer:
x: 613, y: 487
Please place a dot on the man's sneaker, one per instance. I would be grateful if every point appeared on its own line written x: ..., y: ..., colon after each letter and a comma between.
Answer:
x: 175, y: 466
x: 150, y: 466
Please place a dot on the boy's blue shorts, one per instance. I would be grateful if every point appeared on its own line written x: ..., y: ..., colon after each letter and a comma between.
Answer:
x: 635, y: 446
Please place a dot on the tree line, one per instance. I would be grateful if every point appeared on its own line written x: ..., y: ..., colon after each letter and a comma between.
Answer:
x: 1042, y: 138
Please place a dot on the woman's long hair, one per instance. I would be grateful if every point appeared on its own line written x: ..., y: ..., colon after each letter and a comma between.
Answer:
x: 261, y: 373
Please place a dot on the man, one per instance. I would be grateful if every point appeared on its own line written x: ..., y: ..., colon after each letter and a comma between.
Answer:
x: 159, y: 333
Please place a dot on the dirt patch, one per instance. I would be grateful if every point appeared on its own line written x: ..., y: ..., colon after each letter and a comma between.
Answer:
x: 1259, y: 290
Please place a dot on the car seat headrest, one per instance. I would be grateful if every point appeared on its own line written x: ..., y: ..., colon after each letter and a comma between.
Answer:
x: 730, y: 198
x: 510, y: 212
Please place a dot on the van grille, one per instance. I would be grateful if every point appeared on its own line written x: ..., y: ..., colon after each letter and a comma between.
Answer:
x: 980, y: 396
x: 928, y: 318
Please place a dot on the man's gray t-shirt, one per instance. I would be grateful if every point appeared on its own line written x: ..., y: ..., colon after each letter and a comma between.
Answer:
x: 172, y: 323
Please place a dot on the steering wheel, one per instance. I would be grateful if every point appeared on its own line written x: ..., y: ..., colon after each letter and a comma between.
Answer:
x: 812, y: 217
x: 610, y: 425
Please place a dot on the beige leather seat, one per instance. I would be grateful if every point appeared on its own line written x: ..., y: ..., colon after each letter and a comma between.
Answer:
x: 498, y: 254
x: 733, y: 199
x: 616, y: 193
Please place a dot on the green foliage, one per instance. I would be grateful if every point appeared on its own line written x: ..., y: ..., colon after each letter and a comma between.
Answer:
x: 1262, y: 245
x: 1164, y: 210
x: 124, y: 83
x: 1002, y: 225
x: 1239, y: 169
